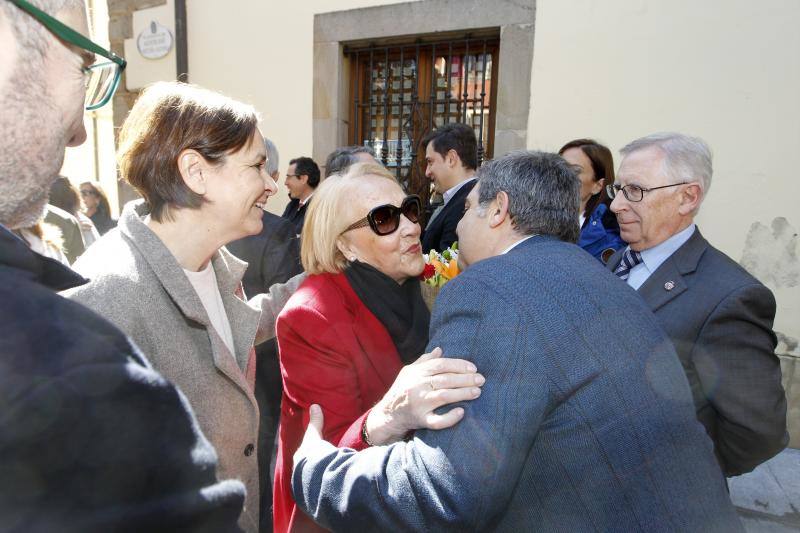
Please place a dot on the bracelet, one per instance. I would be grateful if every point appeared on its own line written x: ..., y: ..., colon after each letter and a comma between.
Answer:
x: 365, y: 435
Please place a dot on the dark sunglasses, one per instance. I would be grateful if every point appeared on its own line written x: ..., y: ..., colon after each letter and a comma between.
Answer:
x: 385, y: 219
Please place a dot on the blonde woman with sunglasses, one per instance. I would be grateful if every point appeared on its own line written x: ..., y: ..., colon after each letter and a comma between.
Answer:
x: 359, y: 317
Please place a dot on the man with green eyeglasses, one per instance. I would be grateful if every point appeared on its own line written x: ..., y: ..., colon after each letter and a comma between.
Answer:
x: 91, y: 437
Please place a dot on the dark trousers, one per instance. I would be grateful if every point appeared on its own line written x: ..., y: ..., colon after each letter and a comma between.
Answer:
x: 268, y: 394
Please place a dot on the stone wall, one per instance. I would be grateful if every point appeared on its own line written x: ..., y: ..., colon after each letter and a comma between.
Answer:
x: 120, y: 27
x: 514, y: 18
x: 790, y: 365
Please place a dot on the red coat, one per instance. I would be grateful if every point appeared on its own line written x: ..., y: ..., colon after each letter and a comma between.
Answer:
x: 333, y: 352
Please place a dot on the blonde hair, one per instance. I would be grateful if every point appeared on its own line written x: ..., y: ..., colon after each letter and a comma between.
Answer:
x: 326, y: 218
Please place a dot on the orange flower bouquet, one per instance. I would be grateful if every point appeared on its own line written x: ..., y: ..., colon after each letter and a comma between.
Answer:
x: 439, y: 269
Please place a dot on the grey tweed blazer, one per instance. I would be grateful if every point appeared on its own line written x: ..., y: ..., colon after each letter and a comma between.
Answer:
x: 137, y: 284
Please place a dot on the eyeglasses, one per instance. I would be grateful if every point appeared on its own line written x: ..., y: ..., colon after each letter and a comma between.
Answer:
x: 293, y: 175
x: 385, y: 219
x: 102, y: 78
x: 634, y: 193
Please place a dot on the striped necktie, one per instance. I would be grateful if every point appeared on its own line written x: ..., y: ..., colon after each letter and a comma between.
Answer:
x: 630, y: 259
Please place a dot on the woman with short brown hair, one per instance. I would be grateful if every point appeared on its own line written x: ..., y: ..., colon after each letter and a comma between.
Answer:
x: 165, y: 277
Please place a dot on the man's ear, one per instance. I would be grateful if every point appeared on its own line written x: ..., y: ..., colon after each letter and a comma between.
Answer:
x: 191, y: 166
x: 691, y: 198
x: 498, y: 210
x: 452, y: 159
x: 303, y: 178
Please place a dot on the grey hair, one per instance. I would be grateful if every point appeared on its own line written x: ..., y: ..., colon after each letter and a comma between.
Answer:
x: 685, y: 158
x: 543, y: 192
x: 273, y: 157
x: 340, y: 159
x: 30, y: 33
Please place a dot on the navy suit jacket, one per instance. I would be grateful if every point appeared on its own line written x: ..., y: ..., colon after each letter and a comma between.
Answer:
x: 585, y: 421
x: 272, y: 256
x: 440, y: 233
x: 719, y: 318
x: 296, y: 214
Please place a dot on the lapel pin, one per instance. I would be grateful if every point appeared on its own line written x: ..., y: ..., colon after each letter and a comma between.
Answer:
x: 669, y: 285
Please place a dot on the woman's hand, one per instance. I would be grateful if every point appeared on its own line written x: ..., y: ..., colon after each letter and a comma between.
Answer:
x: 421, y: 387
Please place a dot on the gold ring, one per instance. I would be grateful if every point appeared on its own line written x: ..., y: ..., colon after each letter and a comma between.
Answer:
x: 430, y: 383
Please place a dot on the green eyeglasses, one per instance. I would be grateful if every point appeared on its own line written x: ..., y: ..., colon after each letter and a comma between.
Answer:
x: 102, y: 78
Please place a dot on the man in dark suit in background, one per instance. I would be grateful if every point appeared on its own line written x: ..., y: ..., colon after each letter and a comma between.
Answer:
x: 717, y: 315
x: 302, y: 178
x: 451, y: 153
x: 585, y: 422
x: 273, y: 256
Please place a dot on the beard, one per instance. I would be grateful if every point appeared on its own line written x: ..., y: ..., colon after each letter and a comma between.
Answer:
x: 32, y: 144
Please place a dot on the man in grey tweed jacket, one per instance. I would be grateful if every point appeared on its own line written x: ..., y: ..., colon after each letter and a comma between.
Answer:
x: 586, y: 419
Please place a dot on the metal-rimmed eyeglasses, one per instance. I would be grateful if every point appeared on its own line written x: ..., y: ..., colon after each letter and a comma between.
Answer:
x: 634, y: 193
x: 385, y: 219
x: 102, y: 78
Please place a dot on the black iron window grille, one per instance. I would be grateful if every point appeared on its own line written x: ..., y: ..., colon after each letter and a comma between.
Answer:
x: 400, y: 92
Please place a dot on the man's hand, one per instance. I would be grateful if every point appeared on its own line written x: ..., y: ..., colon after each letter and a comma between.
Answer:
x: 419, y: 389
x: 313, y: 432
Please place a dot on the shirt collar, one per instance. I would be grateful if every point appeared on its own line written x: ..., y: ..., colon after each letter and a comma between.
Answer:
x: 449, y: 193
x: 517, y: 244
x: 653, y: 257
x: 304, y: 202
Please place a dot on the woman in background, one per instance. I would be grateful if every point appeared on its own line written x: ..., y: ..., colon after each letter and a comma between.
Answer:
x: 64, y: 195
x: 97, y: 206
x: 594, y: 165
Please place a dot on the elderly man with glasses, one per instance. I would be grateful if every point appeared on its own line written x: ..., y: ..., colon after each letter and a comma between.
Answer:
x: 717, y: 315
x: 91, y: 437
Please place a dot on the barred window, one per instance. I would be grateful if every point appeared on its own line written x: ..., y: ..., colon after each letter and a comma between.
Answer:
x: 400, y: 92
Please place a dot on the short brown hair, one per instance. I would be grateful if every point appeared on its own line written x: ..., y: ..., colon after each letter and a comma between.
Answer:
x: 168, y: 118
x: 326, y: 217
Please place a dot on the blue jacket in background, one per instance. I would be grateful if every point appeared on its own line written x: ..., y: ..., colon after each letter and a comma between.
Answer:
x: 600, y: 234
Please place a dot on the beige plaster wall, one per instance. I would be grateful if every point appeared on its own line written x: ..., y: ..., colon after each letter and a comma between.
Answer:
x: 727, y: 71
x: 142, y: 71
x: 261, y: 52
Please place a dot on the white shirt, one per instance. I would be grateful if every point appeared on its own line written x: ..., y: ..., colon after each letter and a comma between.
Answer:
x: 653, y: 257
x: 205, y: 284
x: 304, y: 202
x: 517, y: 244
x: 449, y: 193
